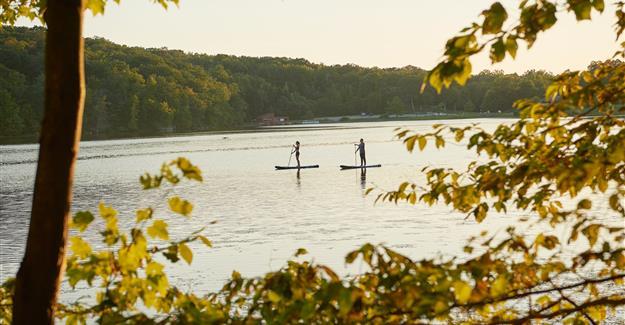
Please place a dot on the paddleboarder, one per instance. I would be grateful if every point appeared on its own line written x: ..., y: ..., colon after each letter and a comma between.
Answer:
x: 361, y: 147
x: 296, y: 151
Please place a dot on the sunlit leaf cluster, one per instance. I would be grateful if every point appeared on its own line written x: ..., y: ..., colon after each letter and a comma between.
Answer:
x: 500, y: 34
x: 12, y: 10
x: 129, y: 271
x: 490, y: 288
x: 568, y: 148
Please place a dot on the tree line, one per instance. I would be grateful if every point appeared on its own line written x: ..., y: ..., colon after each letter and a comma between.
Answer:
x: 133, y: 91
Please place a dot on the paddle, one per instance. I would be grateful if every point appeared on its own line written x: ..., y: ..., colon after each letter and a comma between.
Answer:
x: 291, y: 155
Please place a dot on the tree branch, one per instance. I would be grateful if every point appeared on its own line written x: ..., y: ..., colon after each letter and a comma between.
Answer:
x: 563, y: 312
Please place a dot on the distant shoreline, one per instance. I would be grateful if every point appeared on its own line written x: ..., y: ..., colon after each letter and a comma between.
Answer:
x: 295, y: 124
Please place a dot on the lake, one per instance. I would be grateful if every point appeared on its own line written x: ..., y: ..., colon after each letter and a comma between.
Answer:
x: 261, y: 216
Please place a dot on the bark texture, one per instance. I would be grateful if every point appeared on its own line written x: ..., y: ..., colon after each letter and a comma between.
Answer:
x: 40, y: 272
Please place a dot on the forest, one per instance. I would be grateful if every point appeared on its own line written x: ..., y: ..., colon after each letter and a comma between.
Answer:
x: 133, y: 91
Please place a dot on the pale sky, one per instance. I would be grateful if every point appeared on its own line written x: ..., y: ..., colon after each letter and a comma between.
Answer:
x: 390, y: 33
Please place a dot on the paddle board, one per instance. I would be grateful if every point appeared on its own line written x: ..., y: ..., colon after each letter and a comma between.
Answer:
x: 357, y: 167
x: 295, y: 167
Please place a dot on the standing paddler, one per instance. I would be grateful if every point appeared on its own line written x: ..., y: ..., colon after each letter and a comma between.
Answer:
x: 361, y: 147
x: 296, y: 151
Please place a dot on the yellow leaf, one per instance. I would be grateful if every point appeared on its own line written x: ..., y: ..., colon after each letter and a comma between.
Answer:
x: 440, y: 142
x: 189, y: 170
x: 205, y: 241
x: 158, y: 230
x: 440, y: 306
x: 422, y: 142
x: 144, y: 214
x: 462, y: 291
x: 499, y: 286
x: 459, y: 135
x: 180, y: 206
x: 185, y: 252
x: 410, y: 141
x: 106, y: 211
x: 620, y: 260
x: 543, y: 301
x: 597, y: 313
x: 273, y: 296
x: 154, y: 268
x: 80, y: 247
x: 96, y: 6
x: 592, y: 233
x: 163, y: 285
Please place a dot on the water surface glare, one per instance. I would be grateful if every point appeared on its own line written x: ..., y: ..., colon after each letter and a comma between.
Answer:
x: 262, y: 216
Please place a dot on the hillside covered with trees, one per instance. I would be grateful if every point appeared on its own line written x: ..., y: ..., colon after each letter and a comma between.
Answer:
x: 136, y: 91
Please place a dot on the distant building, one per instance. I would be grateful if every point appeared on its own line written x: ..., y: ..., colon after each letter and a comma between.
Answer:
x: 271, y: 119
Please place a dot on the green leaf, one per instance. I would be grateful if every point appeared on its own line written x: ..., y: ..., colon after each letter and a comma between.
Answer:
x: 180, y: 206
x: 494, y: 19
x: 599, y: 5
x: 301, y: 251
x: 346, y: 301
x: 498, y: 51
x: 172, y: 253
x: 511, y: 46
x: 158, y: 230
x: 81, y: 220
x: 582, y: 8
x: 185, y: 252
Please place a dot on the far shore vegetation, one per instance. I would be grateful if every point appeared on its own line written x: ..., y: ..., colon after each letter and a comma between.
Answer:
x: 138, y: 92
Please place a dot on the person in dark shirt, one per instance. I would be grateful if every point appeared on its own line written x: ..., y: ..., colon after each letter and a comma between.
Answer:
x: 361, y: 147
x: 296, y: 151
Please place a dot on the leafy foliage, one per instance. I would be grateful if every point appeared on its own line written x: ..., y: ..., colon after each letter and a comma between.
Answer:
x: 534, y: 17
x: 127, y: 272
x: 568, y: 148
x: 564, y: 148
x: 35, y: 9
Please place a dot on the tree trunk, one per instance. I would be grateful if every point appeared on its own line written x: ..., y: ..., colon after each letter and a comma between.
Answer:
x: 39, y: 275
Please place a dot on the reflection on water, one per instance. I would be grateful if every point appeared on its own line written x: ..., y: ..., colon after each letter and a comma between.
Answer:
x: 299, y: 182
x: 363, y: 178
x: 262, y: 216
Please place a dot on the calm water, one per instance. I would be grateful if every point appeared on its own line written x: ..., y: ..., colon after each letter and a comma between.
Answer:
x: 262, y: 215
